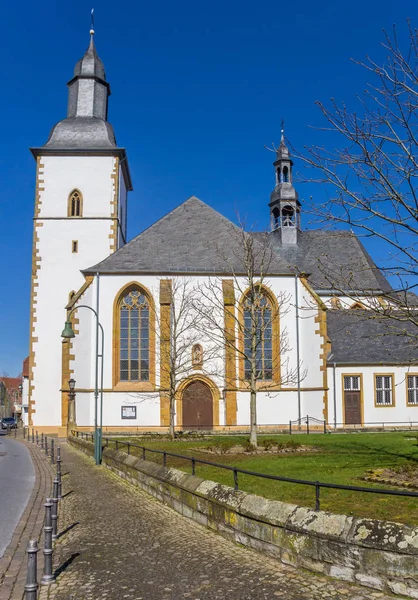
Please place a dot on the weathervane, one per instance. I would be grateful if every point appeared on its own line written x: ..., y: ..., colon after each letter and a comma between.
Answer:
x: 92, y: 23
x: 273, y: 146
x: 282, y: 130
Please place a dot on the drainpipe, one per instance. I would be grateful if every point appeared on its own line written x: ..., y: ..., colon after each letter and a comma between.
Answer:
x: 297, y: 345
x: 335, y: 395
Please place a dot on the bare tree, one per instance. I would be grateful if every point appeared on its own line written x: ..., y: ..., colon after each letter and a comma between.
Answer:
x: 372, y: 178
x: 250, y: 329
x: 179, y: 333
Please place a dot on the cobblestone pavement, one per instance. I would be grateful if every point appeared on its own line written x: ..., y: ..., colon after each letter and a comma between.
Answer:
x: 122, y: 544
x: 13, y: 563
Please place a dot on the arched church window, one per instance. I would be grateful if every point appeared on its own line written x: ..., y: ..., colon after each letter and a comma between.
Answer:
x: 75, y: 204
x: 260, y: 318
x: 278, y: 176
x: 134, y: 336
x: 288, y: 216
x: 197, y: 356
x: 285, y: 174
x: 276, y: 217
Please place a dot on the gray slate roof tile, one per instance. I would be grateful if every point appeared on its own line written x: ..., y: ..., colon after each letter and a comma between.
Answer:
x: 193, y: 237
x: 362, y: 337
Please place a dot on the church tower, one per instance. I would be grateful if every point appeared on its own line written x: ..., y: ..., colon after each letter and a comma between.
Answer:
x: 284, y: 202
x: 82, y: 181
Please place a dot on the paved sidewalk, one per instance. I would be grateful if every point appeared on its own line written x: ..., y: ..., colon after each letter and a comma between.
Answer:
x: 122, y: 544
x: 13, y: 563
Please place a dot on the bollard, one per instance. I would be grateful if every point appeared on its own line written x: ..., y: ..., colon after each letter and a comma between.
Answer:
x: 42, y: 440
x: 52, y: 452
x: 16, y: 431
x: 48, y: 577
x: 37, y: 438
x: 54, y: 512
x: 31, y: 585
x: 59, y: 473
x: 24, y: 432
x: 33, y: 435
x: 46, y: 446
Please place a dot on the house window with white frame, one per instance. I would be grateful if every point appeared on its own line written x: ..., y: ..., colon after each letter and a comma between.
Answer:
x: 412, y: 389
x: 384, y: 390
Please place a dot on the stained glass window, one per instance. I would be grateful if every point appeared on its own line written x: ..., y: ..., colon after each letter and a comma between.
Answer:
x: 134, y: 337
x: 258, y: 327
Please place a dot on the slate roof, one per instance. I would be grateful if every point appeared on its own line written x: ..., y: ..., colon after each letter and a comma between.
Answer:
x: 191, y: 238
x: 194, y: 238
x: 362, y: 337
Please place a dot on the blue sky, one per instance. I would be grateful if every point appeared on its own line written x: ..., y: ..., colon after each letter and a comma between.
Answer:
x: 198, y: 89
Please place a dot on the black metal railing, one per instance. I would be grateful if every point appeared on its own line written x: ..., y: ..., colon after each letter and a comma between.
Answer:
x: 235, y: 470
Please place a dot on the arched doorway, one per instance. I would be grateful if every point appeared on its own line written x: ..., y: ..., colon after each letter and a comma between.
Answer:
x: 197, y: 406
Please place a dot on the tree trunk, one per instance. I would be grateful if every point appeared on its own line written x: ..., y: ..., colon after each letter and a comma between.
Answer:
x: 172, y: 415
x: 253, y: 418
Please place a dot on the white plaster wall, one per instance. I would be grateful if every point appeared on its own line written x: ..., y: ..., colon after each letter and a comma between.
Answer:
x: 147, y: 409
x: 59, y: 271
x: 122, y: 209
x: 25, y: 399
x: 278, y: 408
x: 400, y: 412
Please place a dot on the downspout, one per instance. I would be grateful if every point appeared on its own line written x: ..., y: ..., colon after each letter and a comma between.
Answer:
x: 335, y: 395
x: 297, y: 345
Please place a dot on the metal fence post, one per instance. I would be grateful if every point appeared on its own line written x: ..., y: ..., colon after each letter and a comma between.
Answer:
x: 290, y: 427
x: 54, y: 512
x: 46, y: 446
x: 37, y: 438
x: 235, y: 479
x: 42, y: 440
x: 59, y: 473
x: 317, y: 489
x: 48, y: 577
x: 31, y: 585
x: 33, y: 435
x: 325, y: 426
x: 52, y: 452
x: 307, y: 425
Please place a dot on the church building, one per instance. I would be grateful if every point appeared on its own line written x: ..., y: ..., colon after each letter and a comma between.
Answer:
x: 322, y: 348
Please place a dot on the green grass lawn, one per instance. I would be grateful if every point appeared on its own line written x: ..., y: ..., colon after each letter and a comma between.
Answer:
x: 341, y: 459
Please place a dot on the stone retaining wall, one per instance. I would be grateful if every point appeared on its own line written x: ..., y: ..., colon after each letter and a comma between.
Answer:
x: 376, y: 554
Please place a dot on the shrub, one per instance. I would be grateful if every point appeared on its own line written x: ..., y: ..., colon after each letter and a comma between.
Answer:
x: 292, y: 444
x: 225, y: 446
x: 267, y: 443
x: 248, y: 446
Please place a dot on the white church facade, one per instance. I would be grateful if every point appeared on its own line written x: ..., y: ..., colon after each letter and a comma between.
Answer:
x: 318, y: 352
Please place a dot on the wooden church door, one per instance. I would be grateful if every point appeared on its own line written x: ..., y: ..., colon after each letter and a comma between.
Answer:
x: 197, y: 406
x: 352, y: 399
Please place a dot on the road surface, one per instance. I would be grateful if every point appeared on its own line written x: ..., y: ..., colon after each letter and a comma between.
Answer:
x: 17, y: 477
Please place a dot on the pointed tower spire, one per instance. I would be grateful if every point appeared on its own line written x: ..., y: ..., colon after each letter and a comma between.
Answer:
x: 284, y: 202
x: 86, y: 125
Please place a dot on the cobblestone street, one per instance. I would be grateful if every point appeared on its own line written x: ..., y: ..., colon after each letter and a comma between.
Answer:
x: 121, y: 543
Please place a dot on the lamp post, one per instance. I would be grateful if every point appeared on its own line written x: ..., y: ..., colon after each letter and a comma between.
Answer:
x: 68, y: 333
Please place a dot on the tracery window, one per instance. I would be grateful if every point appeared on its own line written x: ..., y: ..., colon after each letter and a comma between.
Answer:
x: 197, y: 356
x: 134, y: 337
x: 75, y: 204
x: 258, y: 326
